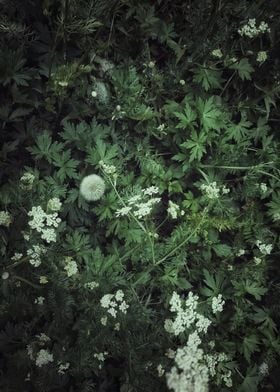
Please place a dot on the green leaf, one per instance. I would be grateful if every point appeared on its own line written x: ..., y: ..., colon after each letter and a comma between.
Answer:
x: 222, y: 250
x: 250, y: 345
x: 208, y: 78
x: 187, y: 118
x: 244, y: 69
x: 210, y: 115
x: 197, y: 145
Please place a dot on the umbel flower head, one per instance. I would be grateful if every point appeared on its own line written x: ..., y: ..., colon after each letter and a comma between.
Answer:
x: 92, y: 187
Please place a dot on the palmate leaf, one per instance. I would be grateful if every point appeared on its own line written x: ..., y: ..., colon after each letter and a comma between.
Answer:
x: 208, y: 78
x: 239, y: 131
x: 243, y: 68
x: 209, y: 114
x: 187, y: 118
x: 197, y: 145
x: 250, y: 345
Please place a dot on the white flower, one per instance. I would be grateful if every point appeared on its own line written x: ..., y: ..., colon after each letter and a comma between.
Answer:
x: 49, y: 235
x: 43, y: 358
x: 261, y: 56
x: 119, y: 295
x: 257, y: 260
x: 63, y: 367
x: 38, y: 215
x: 240, y: 252
x: 109, y: 169
x: 5, y: 218
x: 94, y: 94
x: 132, y: 200
x: 43, y: 338
x: 91, y: 285
x: 26, y: 181
x: 54, y: 204
x: 151, y: 190
x: 39, y: 301
x: 160, y: 370
x: 123, y: 211
x: 217, y: 53
x: 265, y: 249
x: 250, y: 29
x: 263, y: 369
x: 106, y: 300
x: 263, y: 187
x: 5, y: 275
x: 35, y: 254
x: 123, y: 307
x: 17, y: 256
x: 92, y: 187
x: 217, y: 304
x: 71, y: 266
x: 173, y: 209
x: 117, y: 327
x: 103, y: 320
x: 43, y: 279
x: 182, y: 82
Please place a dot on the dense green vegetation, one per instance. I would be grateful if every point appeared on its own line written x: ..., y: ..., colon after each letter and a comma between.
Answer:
x: 139, y: 195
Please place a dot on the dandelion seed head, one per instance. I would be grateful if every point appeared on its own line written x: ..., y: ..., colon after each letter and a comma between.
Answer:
x: 92, y: 187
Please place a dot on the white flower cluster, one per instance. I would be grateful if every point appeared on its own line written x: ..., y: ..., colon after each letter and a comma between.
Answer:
x: 71, y: 266
x: 137, y: 204
x: 212, y: 191
x: 45, y: 223
x: 265, y: 249
x: 173, y: 210
x: 114, y: 302
x: 101, y: 357
x: 217, y: 304
x: 5, y: 218
x: 190, y: 373
x: 62, y: 367
x: 193, y: 367
x: 92, y: 187
x: 26, y: 181
x: 54, y: 204
x: 261, y: 56
x: 263, y: 369
x: 91, y: 285
x: 217, y: 53
x: 187, y: 317
x: 43, y: 358
x: 108, y: 169
x: 250, y: 29
x: 39, y: 300
x: 35, y: 253
x: 17, y: 256
x: 43, y: 338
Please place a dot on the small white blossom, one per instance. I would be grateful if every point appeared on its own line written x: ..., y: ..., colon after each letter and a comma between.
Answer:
x: 160, y: 370
x: 151, y: 190
x: 91, y: 285
x: 263, y: 187
x: 43, y: 338
x: 39, y: 301
x: 54, y: 204
x: 5, y: 275
x: 92, y: 187
x: 265, y: 249
x: 104, y: 320
x: 261, y: 56
x: 173, y: 209
x: 123, y: 211
x: 263, y: 369
x: 108, y: 169
x: 71, y: 266
x: 62, y: 367
x: 43, y: 279
x: 217, y: 304
x: 94, y: 94
x: 240, y: 252
x: 26, y: 181
x: 5, y: 218
x: 43, y: 358
x: 17, y: 256
x: 35, y: 254
x: 49, y: 235
x: 182, y: 82
x: 117, y: 326
x: 251, y: 30
x: 217, y: 53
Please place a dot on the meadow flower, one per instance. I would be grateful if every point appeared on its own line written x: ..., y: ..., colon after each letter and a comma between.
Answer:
x: 92, y: 187
x: 5, y: 219
x: 71, y: 266
x: 261, y: 56
x: 43, y: 358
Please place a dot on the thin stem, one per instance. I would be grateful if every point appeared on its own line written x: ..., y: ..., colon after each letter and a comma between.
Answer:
x: 185, y: 240
x: 227, y: 83
x: 27, y: 282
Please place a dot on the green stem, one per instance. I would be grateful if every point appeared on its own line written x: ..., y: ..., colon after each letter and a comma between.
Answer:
x: 185, y: 240
x: 27, y: 282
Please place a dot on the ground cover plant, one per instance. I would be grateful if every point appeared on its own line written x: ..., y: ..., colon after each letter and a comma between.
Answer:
x: 139, y: 195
